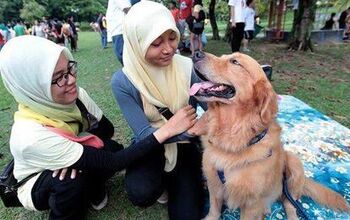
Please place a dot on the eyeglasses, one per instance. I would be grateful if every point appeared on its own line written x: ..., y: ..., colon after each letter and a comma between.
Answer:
x: 63, y: 79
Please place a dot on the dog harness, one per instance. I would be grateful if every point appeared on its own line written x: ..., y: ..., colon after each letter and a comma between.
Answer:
x: 253, y: 141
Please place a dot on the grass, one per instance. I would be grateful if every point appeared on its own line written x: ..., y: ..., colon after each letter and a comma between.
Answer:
x: 320, y: 79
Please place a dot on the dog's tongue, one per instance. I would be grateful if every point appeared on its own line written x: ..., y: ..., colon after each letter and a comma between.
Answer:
x: 197, y: 86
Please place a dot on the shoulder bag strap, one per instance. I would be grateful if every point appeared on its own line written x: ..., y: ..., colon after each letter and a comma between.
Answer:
x: 165, y: 112
x: 91, y: 119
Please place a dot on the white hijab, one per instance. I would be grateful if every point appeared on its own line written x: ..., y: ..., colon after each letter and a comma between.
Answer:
x: 159, y: 86
x: 26, y: 65
x: 162, y: 86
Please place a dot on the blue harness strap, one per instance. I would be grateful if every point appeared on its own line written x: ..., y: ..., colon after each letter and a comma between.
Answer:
x: 254, y: 140
x: 221, y: 176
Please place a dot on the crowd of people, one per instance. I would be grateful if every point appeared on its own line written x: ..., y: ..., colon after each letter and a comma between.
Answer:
x: 190, y: 19
x: 60, y: 32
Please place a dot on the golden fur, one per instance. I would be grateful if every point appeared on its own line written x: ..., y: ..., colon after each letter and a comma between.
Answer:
x: 253, y: 174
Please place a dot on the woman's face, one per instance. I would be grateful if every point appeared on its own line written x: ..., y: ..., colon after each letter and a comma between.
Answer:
x: 67, y: 93
x: 161, y: 51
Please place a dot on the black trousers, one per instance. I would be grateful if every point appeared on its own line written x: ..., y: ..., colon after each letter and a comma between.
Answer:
x: 237, y: 36
x: 146, y: 180
x: 68, y: 199
x: 73, y: 42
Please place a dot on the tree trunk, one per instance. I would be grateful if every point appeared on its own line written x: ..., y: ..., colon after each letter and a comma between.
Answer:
x: 301, y: 31
x: 228, y: 31
x: 212, y: 19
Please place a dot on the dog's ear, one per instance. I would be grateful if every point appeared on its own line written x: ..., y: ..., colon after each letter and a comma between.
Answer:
x: 266, y: 100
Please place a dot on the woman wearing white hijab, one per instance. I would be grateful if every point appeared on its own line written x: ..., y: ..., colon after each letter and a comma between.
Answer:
x: 154, y: 76
x: 58, y: 127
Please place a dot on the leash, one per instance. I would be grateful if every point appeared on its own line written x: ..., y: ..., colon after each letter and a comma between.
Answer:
x: 296, y: 205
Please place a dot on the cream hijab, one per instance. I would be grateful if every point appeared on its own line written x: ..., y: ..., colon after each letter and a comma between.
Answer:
x: 26, y: 65
x: 161, y: 86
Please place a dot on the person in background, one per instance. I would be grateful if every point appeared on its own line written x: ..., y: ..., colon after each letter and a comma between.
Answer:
x: 347, y: 28
x: 185, y: 7
x: 2, y: 40
x: 62, y: 136
x: 329, y: 23
x: 28, y: 28
x: 249, y: 20
x: 237, y: 23
x: 343, y: 15
x: 196, y: 26
x: 57, y: 32
x: 4, y: 34
x: 175, y: 12
x: 38, y: 29
x: 73, y: 37
x: 116, y: 11
x: 19, y: 28
x: 155, y: 82
x: 102, y: 24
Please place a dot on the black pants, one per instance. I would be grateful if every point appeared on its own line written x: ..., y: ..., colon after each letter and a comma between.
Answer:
x: 237, y: 36
x: 146, y: 180
x: 68, y: 199
x: 73, y: 42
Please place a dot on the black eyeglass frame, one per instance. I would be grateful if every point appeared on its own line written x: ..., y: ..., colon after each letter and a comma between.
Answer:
x: 71, y: 65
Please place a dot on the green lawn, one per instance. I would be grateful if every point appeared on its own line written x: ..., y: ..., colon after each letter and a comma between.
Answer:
x: 320, y: 79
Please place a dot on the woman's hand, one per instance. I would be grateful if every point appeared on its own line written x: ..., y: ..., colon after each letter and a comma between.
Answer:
x: 64, y: 172
x: 200, y: 128
x: 180, y: 122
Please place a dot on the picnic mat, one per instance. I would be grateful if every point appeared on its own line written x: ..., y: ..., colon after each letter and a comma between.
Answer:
x: 324, y: 147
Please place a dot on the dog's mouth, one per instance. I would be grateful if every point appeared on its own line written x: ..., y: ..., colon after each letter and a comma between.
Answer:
x: 211, y: 89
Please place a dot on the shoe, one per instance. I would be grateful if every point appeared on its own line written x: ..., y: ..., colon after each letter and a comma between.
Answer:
x: 163, y: 199
x: 245, y: 50
x: 101, y: 204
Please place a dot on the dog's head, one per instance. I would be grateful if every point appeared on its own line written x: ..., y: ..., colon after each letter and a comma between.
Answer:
x: 237, y: 85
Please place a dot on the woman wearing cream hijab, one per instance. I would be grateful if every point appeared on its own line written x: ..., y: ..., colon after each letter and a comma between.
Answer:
x: 153, y: 75
x: 58, y: 128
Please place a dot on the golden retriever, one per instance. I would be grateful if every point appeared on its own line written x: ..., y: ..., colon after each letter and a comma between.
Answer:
x: 241, y: 105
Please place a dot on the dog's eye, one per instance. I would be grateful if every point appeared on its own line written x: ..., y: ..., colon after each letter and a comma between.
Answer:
x: 234, y: 61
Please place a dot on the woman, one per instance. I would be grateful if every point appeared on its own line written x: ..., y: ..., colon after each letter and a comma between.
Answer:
x: 195, y: 24
x: 154, y: 76
x: 59, y: 126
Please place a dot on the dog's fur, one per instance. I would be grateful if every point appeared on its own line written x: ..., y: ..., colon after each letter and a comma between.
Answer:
x: 253, y: 174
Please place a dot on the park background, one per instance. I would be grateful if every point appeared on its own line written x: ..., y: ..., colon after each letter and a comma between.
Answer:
x: 320, y: 79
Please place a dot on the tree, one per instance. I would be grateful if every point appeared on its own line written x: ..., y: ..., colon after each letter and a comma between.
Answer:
x: 10, y: 9
x: 32, y: 10
x: 212, y: 19
x: 301, y: 30
x: 87, y: 9
x: 3, y: 4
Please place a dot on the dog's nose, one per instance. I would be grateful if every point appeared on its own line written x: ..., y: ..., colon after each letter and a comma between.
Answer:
x: 198, y: 55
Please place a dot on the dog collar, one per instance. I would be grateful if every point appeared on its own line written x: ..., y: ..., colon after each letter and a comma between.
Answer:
x: 255, y: 140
